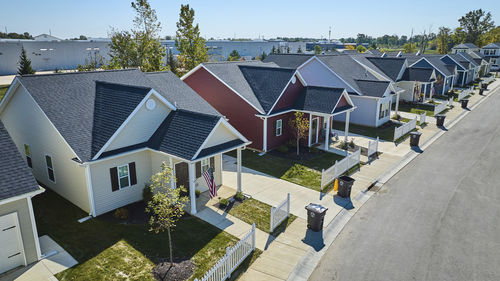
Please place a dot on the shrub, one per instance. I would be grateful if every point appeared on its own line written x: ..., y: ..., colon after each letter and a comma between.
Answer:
x: 223, y: 203
x: 396, y: 117
x: 351, y: 144
x: 283, y: 148
x: 197, y: 193
x: 313, y: 149
x: 239, y: 196
x: 121, y: 214
x: 146, y: 193
x: 343, y: 145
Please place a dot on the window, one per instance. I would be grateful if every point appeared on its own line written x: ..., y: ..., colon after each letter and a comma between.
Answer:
x: 123, y: 176
x: 279, y: 129
x: 384, y: 110
x: 27, y: 152
x: 50, y: 168
x: 205, y: 165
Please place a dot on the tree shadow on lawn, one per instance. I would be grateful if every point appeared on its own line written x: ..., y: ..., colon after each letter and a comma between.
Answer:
x: 57, y: 217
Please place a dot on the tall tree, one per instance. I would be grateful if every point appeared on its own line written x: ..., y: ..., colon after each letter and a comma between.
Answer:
x: 191, y: 46
x: 443, y: 40
x: 300, y: 127
x: 317, y: 49
x: 263, y: 56
x: 273, y: 50
x: 491, y: 36
x: 166, y: 205
x: 475, y: 23
x: 24, y: 63
x: 459, y: 36
x: 171, y: 62
x: 234, y: 56
x: 287, y: 49
x: 122, y: 50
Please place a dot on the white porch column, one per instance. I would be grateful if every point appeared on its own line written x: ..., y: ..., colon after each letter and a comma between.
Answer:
x: 310, y: 130
x: 430, y: 92
x: 264, y: 136
x: 463, y: 78
x: 397, y: 103
x: 171, y: 164
x: 327, y: 132
x: 238, y: 168
x: 425, y: 91
x: 347, y: 125
x: 192, y: 195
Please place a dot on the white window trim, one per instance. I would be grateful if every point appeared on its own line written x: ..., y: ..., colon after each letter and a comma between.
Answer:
x: 118, y: 174
x: 205, y: 163
x: 52, y: 168
x: 280, y: 127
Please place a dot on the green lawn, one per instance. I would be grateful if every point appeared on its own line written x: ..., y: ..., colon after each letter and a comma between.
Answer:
x: 385, y: 132
x: 3, y: 90
x: 306, y: 173
x: 252, y: 210
x: 415, y: 110
x: 107, y: 250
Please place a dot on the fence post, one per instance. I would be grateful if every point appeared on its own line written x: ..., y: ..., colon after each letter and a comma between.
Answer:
x: 322, y: 175
x: 376, y: 147
x: 253, y: 236
x: 288, y: 205
x: 227, y: 263
x: 271, y: 228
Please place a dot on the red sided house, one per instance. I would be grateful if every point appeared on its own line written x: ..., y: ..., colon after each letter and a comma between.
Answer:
x: 260, y: 98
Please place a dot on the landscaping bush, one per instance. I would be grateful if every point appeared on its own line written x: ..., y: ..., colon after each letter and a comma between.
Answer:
x: 197, y: 193
x: 351, y: 144
x: 283, y: 148
x: 223, y: 203
x: 146, y: 193
x: 441, y: 97
x: 121, y: 214
x: 239, y: 196
x: 343, y: 145
x: 396, y: 117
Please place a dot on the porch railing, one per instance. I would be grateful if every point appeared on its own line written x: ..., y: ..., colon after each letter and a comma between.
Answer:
x: 232, y: 259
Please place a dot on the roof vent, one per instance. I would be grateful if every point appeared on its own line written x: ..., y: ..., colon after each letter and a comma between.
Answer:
x: 150, y: 104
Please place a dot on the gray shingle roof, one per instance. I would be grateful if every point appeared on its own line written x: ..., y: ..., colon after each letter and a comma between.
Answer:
x: 440, y: 65
x: 372, y: 88
x: 495, y: 45
x: 465, y: 46
x: 230, y: 73
x: 267, y: 83
x: 72, y: 102
x: 478, y: 54
x: 468, y: 58
x: 318, y: 99
x: 182, y: 133
x: 417, y: 74
x: 459, y: 60
x: 390, y: 66
x: 288, y: 60
x: 15, y: 175
x: 375, y: 52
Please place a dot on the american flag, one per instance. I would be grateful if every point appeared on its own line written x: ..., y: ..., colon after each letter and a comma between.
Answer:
x: 209, y: 178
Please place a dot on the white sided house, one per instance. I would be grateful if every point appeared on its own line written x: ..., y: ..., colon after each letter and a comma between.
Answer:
x: 96, y: 138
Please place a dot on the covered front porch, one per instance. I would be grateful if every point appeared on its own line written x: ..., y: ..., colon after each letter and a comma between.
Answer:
x: 321, y: 131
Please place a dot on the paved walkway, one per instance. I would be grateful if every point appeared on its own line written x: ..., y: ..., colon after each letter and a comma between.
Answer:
x: 57, y: 261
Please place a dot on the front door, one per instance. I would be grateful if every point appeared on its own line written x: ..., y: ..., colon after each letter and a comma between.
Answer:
x: 315, y: 130
x: 182, y: 176
x: 11, y: 244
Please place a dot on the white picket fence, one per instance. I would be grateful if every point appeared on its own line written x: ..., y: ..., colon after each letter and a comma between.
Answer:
x: 280, y: 213
x: 372, y: 147
x: 463, y: 94
x: 422, y: 118
x: 488, y: 80
x: 450, y: 102
x: 438, y: 108
x: 405, y: 128
x: 232, y: 259
x: 339, y: 168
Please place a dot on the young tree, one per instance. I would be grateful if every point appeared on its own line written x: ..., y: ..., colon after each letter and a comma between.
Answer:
x: 287, y: 49
x: 171, y: 62
x: 349, y: 47
x: 263, y: 56
x: 475, y: 23
x: 191, y: 46
x: 300, y: 127
x: 122, y: 50
x: 443, y: 40
x: 410, y: 48
x: 273, y: 50
x: 317, y: 50
x: 299, y: 50
x: 361, y: 49
x: 24, y: 63
x: 234, y: 56
x: 166, y: 205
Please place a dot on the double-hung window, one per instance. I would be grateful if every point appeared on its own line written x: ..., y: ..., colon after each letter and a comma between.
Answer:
x: 279, y: 127
x: 123, y: 176
x: 384, y: 110
x: 27, y: 151
x: 205, y: 165
x: 50, y: 168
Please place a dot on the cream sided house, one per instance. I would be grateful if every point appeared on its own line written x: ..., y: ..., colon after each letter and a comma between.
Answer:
x: 19, y: 243
x: 96, y: 138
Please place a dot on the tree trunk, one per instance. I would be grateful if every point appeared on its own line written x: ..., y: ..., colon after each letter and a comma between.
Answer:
x: 170, y: 247
x: 298, y: 146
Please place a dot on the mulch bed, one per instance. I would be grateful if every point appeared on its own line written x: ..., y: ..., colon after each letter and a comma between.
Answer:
x: 136, y: 214
x: 180, y: 271
x: 232, y: 204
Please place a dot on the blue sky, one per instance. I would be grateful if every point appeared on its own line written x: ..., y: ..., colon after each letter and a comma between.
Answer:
x: 248, y: 19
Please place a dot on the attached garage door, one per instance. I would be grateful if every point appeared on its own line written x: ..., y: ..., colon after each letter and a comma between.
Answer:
x: 11, y: 244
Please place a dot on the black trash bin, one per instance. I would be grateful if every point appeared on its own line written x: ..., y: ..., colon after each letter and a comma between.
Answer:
x: 315, y: 216
x: 464, y: 103
x: 484, y: 86
x: 440, y: 120
x: 345, y: 185
x: 481, y: 91
x: 414, y: 138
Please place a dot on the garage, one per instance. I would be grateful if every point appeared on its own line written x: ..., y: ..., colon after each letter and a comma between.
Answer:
x: 12, y: 253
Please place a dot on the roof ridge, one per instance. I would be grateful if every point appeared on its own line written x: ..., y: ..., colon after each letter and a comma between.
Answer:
x: 121, y: 84
x: 266, y: 67
x: 233, y: 62
x: 366, y: 80
x: 77, y: 72
x: 198, y: 113
x: 323, y: 87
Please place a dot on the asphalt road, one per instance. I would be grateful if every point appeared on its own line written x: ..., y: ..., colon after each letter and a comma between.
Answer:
x: 437, y: 219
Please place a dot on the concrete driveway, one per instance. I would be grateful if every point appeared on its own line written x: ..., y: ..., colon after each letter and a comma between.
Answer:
x: 437, y: 219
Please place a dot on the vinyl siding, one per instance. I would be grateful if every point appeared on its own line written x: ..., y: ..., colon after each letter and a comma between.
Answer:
x: 27, y: 124
x: 365, y: 114
x: 143, y: 124
x: 316, y: 74
x: 27, y: 234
